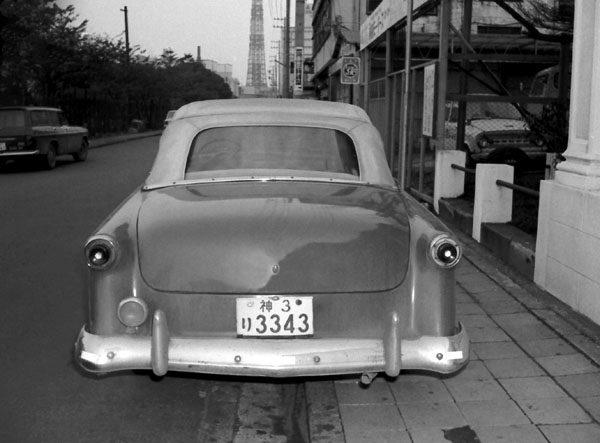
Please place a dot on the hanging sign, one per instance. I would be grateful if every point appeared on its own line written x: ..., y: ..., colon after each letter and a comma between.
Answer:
x: 350, y: 73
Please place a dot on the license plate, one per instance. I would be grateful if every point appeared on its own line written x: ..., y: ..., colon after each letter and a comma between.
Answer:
x: 2, y: 146
x: 274, y: 316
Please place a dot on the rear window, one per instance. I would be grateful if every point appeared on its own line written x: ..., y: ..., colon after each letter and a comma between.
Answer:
x: 44, y: 118
x: 272, y: 150
x: 13, y: 118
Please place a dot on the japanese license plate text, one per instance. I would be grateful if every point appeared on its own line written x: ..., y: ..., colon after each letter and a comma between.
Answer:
x: 274, y: 316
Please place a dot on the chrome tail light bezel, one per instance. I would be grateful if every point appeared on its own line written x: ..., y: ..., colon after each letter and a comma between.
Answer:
x: 438, y: 251
x: 101, y: 252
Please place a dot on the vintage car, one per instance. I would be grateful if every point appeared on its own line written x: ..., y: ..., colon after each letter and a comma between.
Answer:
x: 40, y: 134
x: 270, y: 239
x: 495, y: 132
x: 168, y: 118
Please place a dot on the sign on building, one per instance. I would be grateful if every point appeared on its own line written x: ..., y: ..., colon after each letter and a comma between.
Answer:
x: 298, y: 70
x: 429, y: 99
x: 350, y: 74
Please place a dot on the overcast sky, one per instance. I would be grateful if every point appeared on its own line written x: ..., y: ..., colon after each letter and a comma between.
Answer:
x: 220, y: 27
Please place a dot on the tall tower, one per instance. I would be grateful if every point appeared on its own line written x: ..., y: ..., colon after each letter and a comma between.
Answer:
x: 257, y: 74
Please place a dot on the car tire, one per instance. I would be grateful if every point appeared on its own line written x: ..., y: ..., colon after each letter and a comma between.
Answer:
x: 81, y: 155
x: 49, y: 160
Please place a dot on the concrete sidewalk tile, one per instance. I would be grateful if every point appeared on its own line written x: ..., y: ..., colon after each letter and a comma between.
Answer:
x: 493, y: 413
x: 567, y: 364
x: 437, y: 435
x: 581, y: 385
x: 496, y: 350
x: 590, y: 347
x: 584, y: 433
x: 354, y: 393
x: 546, y: 347
x: 469, y: 308
x: 361, y: 418
x: 379, y: 436
x: 532, y: 387
x: 514, y: 367
x: 556, y: 322
x: 497, y: 295
x: 553, y: 411
x: 426, y: 415
x: 426, y: 390
x: 591, y: 405
x: 427, y: 435
x: 462, y: 297
x: 502, y: 306
x: 477, y: 283
x: 526, y: 433
x: 516, y: 319
x: 476, y: 390
x: 478, y: 321
x: 530, y: 332
x: 475, y: 370
x: 487, y: 334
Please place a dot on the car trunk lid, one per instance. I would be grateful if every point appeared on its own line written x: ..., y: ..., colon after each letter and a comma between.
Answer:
x: 273, y: 238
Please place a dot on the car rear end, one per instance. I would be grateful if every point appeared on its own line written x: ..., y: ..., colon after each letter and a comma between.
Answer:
x: 16, y: 134
x: 270, y: 247
x: 273, y: 280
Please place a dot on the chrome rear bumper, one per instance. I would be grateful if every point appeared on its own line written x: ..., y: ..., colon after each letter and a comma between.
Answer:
x: 270, y: 357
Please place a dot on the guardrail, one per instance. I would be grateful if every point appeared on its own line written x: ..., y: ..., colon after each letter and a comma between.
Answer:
x: 521, y: 189
x: 494, y: 186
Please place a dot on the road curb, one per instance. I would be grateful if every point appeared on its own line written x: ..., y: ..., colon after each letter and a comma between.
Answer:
x: 114, y: 139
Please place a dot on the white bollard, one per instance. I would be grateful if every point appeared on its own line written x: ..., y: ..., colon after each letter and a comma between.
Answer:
x: 449, y: 183
x: 493, y: 203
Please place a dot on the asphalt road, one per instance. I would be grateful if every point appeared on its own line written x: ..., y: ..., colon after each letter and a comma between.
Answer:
x: 46, y: 217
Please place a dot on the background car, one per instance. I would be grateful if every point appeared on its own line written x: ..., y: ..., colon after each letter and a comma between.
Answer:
x: 270, y: 239
x: 495, y: 132
x: 168, y: 118
x: 40, y: 134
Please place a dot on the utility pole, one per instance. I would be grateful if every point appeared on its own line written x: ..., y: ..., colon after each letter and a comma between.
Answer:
x: 126, y: 34
x: 286, y: 51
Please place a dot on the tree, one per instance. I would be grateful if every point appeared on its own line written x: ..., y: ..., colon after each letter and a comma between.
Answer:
x: 49, y: 59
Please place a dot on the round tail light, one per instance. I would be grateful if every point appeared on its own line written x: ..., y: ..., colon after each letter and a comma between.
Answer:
x: 445, y: 251
x: 101, y: 252
x: 132, y: 312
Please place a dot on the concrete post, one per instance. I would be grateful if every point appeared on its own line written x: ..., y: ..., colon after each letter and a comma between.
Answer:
x: 568, y: 237
x: 449, y: 183
x: 493, y: 203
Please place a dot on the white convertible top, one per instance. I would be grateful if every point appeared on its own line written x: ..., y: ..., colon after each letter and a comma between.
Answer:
x: 256, y: 105
x: 191, y: 119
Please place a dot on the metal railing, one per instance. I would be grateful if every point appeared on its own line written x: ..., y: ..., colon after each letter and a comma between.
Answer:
x: 522, y: 189
x: 518, y: 188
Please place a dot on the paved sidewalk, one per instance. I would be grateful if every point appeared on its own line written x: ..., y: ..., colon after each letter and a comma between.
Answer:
x: 534, y: 375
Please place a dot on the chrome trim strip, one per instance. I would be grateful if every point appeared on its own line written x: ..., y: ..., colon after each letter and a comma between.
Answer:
x: 258, y: 179
x: 18, y: 153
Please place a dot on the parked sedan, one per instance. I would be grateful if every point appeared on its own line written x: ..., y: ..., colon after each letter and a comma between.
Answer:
x: 495, y: 132
x: 270, y: 239
x: 40, y: 134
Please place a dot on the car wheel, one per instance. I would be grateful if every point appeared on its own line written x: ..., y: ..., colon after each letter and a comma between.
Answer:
x: 82, y: 154
x: 49, y: 160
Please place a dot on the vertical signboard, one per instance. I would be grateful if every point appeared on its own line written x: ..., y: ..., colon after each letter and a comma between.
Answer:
x: 298, y: 70
x: 350, y: 74
x: 429, y: 99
